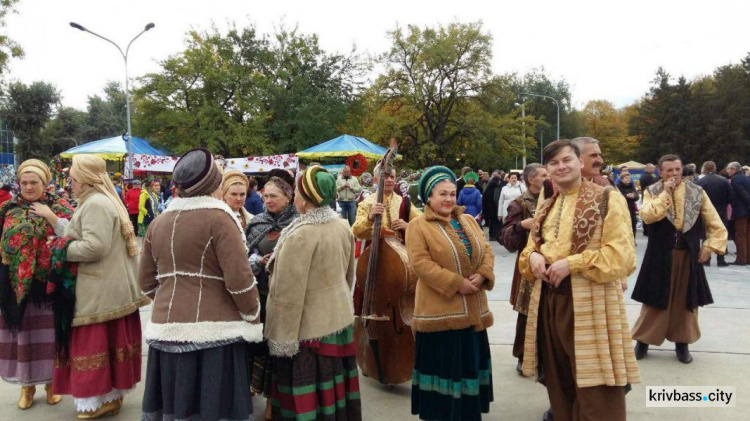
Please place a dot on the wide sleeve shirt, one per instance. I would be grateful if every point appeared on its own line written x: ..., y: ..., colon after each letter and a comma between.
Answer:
x: 614, y: 260
x: 655, y: 209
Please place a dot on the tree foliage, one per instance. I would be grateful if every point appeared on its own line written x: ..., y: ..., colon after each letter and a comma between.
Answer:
x: 8, y: 47
x: 607, y: 124
x: 243, y: 93
x: 26, y: 109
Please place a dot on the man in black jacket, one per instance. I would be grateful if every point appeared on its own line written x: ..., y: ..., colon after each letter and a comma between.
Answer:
x: 719, y: 191
x: 740, y: 212
x: 647, y: 179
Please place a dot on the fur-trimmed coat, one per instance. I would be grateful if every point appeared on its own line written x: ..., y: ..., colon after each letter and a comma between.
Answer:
x: 312, y: 273
x: 194, y: 266
x: 441, y: 262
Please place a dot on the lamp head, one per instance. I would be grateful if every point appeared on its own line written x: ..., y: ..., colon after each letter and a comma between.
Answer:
x: 77, y: 26
x: 150, y: 26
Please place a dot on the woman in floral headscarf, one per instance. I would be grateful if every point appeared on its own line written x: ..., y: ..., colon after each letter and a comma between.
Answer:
x: 27, y: 339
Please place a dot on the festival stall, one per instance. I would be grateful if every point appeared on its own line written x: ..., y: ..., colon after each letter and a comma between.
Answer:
x: 248, y: 165
x: 115, y: 149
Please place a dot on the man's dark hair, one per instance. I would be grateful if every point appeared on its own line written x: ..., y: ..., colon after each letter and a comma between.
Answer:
x: 251, y: 183
x: 709, y: 166
x: 554, y: 148
x: 668, y: 158
x: 465, y: 170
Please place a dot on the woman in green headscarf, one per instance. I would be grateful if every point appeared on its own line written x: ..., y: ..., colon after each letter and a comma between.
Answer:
x: 309, y: 314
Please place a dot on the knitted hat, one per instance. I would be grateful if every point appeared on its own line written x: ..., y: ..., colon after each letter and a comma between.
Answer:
x: 431, y: 177
x: 231, y: 178
x: 471, y: 177
x: 317, y: 186
x: 196, y: 174
x: 37, y: 167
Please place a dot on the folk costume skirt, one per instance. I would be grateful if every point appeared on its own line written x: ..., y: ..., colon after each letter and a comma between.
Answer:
x: 27, y: 357
x: 452, y: 378
x: 321, y: 382
x: 104, y: 362
x: 207, y: 384
x: 258, y: 358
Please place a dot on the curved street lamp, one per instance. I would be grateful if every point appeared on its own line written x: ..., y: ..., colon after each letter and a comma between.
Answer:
x: 128, y: 141
x: 556, y: 103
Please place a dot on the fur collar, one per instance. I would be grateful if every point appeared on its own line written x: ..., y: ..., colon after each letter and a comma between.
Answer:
x: 318, y: 216
x: 182, y: 204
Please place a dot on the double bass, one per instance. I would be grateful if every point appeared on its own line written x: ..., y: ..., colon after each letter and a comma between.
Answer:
x: 385, y: 343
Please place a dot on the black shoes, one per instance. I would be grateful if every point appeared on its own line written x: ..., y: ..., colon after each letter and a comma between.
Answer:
x: 548, y: 415
x: 641, y: 350
x: 683, y: 354
x: 519, y: 367
x: 722, y: 264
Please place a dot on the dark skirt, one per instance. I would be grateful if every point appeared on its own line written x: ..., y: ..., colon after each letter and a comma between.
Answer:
x: 258, y: 359
x: 452, y: 377
x: 314, y: 386
x: 207, y: 385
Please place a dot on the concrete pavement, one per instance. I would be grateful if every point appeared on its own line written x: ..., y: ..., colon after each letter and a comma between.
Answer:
x: 721, y: 358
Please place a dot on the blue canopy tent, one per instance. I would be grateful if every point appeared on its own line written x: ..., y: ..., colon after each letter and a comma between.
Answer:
x: 342, y: 147
x: 114, y: 148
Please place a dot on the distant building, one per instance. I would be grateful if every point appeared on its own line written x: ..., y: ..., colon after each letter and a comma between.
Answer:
x: 7, y: 155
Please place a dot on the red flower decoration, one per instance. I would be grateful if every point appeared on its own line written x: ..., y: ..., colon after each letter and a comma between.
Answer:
x: 357, y: 163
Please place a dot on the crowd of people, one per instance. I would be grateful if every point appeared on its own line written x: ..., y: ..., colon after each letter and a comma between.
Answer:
x: 253, y: 291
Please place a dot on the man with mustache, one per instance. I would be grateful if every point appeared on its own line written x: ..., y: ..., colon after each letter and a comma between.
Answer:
x: 592, y: 160
x: 578, y: 250
x: 672, y: 283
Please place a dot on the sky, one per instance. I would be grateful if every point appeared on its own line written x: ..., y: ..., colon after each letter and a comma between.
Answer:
x: 605, y: 49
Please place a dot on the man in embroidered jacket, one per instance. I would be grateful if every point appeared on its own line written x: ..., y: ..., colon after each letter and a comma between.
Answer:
x: 672, y: 283
x: 578, y: 249
x: 392, y: 220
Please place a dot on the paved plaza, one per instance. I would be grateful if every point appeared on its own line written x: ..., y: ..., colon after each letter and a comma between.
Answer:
x: 721, y: 358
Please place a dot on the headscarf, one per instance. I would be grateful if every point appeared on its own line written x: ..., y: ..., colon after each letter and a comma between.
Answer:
x: 431, y: 177
x: 25, y: 264
x: 283, y: 180
x: 231, y: 178
x: 92, y: 170
x: 471, y: 177
x: 317, y: 186
x: 196, y: 174
x: 37, y: 167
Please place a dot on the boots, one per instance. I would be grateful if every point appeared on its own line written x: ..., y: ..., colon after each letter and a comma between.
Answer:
x: 683, y: 353
x: 27, y: 397
x: 548, y: 415
x: 519, y: 366
x: 109, y: 408
x: 52, y: 399
x: 269, y: 410
x: 641, y: 350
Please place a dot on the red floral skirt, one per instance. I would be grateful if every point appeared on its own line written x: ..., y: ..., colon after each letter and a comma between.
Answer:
x: 103, y: 356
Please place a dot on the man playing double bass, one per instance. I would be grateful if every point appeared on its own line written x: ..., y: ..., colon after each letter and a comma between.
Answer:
x: 394, y: 216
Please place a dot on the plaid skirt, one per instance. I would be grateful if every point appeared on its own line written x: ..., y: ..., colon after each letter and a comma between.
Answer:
x: 319, y: 383
x: 27, y: 357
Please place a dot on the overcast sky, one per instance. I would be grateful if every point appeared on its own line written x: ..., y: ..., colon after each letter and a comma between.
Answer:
x: 606, y: 49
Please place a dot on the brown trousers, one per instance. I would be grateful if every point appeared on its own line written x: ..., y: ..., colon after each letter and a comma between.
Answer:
x: 741, y: 238
x: 557, y: 353
x: 520, y: 336
x: 675, y: 323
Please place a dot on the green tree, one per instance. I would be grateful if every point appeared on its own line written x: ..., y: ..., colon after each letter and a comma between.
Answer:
x: 64, y: 130
x: 26, y: 109
x: 105, y: 117
x: 8, y: 47
x: 608, y: 125
x: 243, y: 93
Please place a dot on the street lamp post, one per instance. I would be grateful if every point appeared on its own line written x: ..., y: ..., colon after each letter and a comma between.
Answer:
x: 556, y: 103
x: 523, y: 123
x: 128, y: 141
